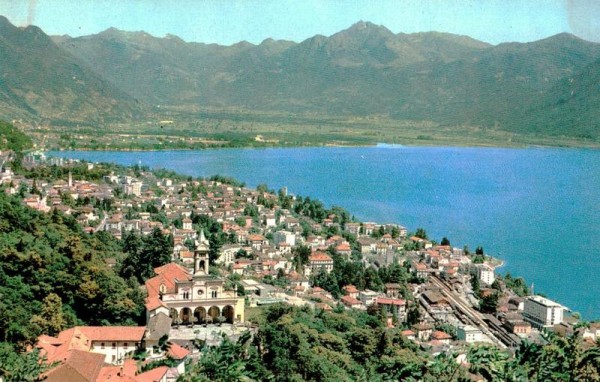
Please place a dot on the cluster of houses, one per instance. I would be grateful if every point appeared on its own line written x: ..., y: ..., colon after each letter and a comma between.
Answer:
x: 263, y: 237
x: 106, y: 354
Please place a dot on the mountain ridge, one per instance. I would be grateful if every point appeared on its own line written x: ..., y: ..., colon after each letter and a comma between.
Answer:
x: 362, y: 70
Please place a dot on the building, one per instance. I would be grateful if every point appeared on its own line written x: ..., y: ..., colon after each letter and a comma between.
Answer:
x: 542, y: 312
x: 485, y: 273
x: 320, y: 260
x: 469, y: 334
x: 189, y: 298
x: 518, y: 327
x: 114, y: 343
x: 367, y: 297
x: 395, y: 306
x: 284, y: 237
x: 393, y: 290
x: 227, y: 254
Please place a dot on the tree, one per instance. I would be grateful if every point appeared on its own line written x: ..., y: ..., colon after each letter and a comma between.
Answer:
x: 445, y: 241
x: 479, y: 250
x: 489, y: 303
x: 488, y: 361
x: 421, y: 233
x: 51, y: 321
x: 413, y: 316
x: 475, y: 285
x: 23, y: 367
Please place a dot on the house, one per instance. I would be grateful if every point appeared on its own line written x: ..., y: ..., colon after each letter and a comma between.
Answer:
x: 344, y: 249
x: 408, y: 334
x: 350, y: 290
x: 423, y: 331
x: 469, y: 334
x: 114, y: 343
x: 421, y: 270
x: 441, y: 337
x: 227, y: 254
x: 395, y: 306
x: 256, y: 241
x: 128, y: 373
x: 353, y: 228
x: 351, y: 302
x: 286, y: 237
x: 367, y: 297
x: 519, y: 327
x: 393, y: 290
x: 270, y: 220
x: 367, y: 245
x: 320, y: 260
x: 75, y: 366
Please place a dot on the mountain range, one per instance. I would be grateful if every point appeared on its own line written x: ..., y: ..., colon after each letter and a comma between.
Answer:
x: 546, y: 87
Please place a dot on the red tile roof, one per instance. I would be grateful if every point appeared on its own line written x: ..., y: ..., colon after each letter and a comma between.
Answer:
x: 153, y: 303
x: 166, y: 275
x: 77, y: 366
x: 350, y: 289
x: 350, y: 301
x: 154, y: 375
x: 389, y: 301
x: 177, y: 352
x: 439, y: 335
x: 319, y: 256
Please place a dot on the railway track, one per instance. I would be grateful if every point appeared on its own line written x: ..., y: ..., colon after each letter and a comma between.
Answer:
x: 472, y: 316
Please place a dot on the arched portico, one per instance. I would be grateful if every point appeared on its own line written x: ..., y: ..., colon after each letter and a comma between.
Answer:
x: 185, y: 315
x: 229, y: 314
x: 214, y: 312
x: 200, y: 314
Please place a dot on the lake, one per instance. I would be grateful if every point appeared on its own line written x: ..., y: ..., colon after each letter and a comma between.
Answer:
x: 538, y: 209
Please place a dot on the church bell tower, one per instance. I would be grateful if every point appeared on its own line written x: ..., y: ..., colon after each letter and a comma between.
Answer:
x: 201, y: 255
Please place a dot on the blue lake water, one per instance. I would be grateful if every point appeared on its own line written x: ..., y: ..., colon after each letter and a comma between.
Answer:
x: 537, y: 208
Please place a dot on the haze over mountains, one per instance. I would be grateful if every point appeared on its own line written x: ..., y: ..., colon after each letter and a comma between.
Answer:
x: 549, y: 86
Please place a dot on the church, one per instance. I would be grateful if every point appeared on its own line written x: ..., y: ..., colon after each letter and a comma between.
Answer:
x: 192, y: 297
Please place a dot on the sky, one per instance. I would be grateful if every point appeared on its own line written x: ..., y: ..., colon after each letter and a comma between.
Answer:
x: 228, y: 22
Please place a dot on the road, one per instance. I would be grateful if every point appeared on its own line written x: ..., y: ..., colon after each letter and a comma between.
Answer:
x: 474, y: 316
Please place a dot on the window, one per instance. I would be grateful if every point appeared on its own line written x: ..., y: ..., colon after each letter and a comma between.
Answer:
x: 213, y: 294
x: 102, y: 345
x: 126, y: 345
x: 114, y: 345
x: 200, y: 292
x: 186, y: 295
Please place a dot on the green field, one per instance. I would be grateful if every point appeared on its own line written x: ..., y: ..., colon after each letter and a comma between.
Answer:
x: 234, y: 128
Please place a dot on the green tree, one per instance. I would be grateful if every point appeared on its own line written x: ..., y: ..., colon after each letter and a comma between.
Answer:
x: 421, y: 233
x: 489, y: 303
x: 21, y: 367
x: 51, y: 320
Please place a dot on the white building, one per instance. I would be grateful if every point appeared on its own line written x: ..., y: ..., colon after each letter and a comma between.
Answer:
x: 367, y: 297
x: 284, y: 237
x: 485, y: 273
x: 469, y: 334
x: 542, y: 312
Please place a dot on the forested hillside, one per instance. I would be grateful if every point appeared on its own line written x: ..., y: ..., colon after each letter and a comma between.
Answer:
x: 298, y: 344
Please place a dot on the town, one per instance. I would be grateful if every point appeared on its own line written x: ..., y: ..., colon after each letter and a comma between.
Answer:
x: 236, y: 250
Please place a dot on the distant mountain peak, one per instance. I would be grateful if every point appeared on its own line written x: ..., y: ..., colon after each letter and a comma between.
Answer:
x: 367, y: 26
